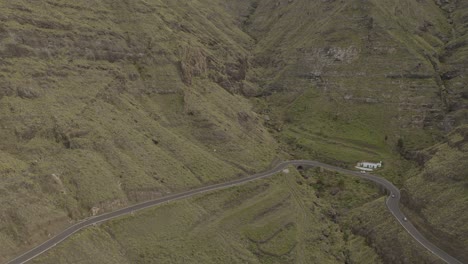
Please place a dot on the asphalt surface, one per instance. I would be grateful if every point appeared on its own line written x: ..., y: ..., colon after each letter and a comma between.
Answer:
x: 391, y: 202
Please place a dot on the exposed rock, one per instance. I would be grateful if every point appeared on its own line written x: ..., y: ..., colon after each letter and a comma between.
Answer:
x: 95, y: 210
x: 27, y: 92
x: 193, y: 63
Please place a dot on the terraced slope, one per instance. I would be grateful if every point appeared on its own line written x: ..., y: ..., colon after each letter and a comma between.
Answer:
x: 267, y: 221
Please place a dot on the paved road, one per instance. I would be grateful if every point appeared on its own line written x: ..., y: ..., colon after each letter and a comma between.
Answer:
x: 391, y: 202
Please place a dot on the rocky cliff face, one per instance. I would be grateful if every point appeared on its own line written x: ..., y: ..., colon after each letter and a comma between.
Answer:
x: 453, y: 64
x: 394, y: 54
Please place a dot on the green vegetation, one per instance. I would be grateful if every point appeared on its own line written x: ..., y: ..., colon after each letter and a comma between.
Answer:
x: 274, y: 220
x: 445, y: 178
x: 94, y: 111
x: 361, y: 91
x: 109, y: 103
x: 391, y: 242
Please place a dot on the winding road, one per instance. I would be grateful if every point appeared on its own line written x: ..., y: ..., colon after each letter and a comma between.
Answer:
x: 392, y: 203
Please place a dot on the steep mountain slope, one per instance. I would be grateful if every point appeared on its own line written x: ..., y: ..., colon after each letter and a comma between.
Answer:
x: 437, y: 196
x: 110, y: 102
x: 363, y: 72
x: 106, y: 103
x: 364, y: 80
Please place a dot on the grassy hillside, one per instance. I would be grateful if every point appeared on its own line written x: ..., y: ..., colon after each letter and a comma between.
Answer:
x: 437, y: 197
x: 278, y: 220
x: 359, y: 75
x: 378, y: 80
x: 309, y: 217
x: 107, y: 103
x: 114, y: 103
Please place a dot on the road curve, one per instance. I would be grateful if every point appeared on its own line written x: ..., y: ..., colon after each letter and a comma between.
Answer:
x: 391, y: 202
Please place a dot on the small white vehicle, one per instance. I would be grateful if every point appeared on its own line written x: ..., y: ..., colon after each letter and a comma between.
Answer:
x: 405, y: 219
x: 393, y: 195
